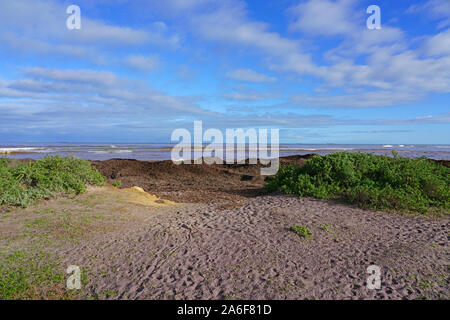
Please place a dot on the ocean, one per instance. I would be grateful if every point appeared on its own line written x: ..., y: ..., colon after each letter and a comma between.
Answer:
x: 161, y: 151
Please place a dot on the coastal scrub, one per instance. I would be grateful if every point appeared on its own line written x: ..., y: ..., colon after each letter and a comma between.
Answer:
x: 369, y: 181
x: 25, y: 182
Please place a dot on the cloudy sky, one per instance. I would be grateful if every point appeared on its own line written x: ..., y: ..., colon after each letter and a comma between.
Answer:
x: 138, y: 69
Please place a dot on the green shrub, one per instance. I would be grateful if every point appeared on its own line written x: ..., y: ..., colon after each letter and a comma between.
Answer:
x: 116, y: 183
x: 370, y: 181
x: 22, y: 184
x: 302, y: 230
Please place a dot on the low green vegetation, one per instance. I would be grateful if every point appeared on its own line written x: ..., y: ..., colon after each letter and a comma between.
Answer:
x: 302, y: 230
x: 116, y: 183
x: 23, y: 183
x: 30, y: 276
x: 109, y: 294
x: 369, y: 181
x: 64, y: 225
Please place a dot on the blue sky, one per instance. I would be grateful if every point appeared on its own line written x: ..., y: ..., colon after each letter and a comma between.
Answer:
x: 137, y: 70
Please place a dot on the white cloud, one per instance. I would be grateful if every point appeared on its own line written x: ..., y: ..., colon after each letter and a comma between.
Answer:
x: 100, y: 112
x: 40, y: 26
x: 365, y: 61
x: 372, y: 99
x: 387, y: 73
x: 85, y: 76
x: 144, y: 63
x: 247, y: 96
x: 364, y: 41
x: 437, y: 9
x: 94, y: 32
x: 439, y: 44
x: 249, y: 75
x: 229, y: 25
x: 324, y: 17
x: 99, y: 89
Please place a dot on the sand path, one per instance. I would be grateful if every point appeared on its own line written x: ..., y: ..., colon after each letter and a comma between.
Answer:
x: 198, y: 251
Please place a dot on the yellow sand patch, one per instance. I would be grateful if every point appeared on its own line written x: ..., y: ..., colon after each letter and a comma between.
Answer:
x: 132, y: 195
x: 139, y: 196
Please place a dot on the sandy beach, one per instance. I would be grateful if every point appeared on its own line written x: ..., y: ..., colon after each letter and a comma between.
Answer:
x: 211, y: 232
